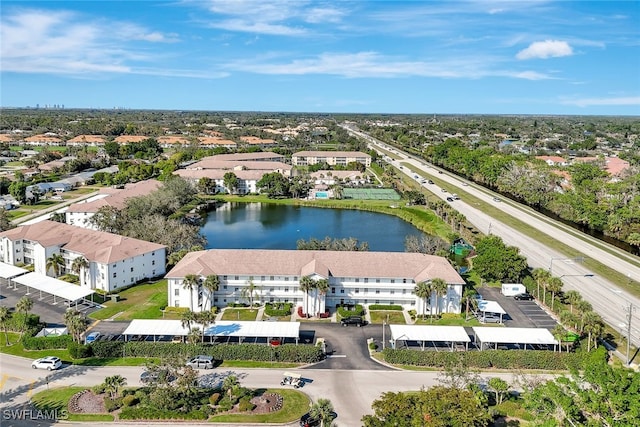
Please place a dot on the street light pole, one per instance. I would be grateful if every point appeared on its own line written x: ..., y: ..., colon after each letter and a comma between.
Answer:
x: 630, y: 309
x: 383, y: 337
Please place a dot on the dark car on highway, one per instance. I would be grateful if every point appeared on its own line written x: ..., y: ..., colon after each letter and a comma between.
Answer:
x: 523, y: 297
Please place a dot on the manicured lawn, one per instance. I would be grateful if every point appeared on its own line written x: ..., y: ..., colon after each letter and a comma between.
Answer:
x: 16, y: 349
x: 143, y: 301
x: 242, y: 314
x: 393, y: 316
x: 294, y: 405
x: 56, y: 400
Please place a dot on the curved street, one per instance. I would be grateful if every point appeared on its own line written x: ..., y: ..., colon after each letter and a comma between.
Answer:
x: 607, y: 299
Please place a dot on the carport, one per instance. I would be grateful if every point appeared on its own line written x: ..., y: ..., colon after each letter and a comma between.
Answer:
x: 221, y: 329
x: 8, y: 272
x: 430, y: 334
x: 492, y: 307
x: 49, y: 285
x: 518, y: 336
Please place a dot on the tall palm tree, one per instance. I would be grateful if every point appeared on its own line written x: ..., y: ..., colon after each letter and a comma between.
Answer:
x: 5, y: 315
x: 322, y: 410
x: 559, y: 333
x: 554, y: 286
x: 211, y: 284
x: 79, y: 265
x: 572, y: 297
x: 306, y: 285
x: 440, y: 288
x: 583, y: 307
x: 191, y: 282
x: 593, y: 326
x: 540, y: 275
x: 249, y: 292
x: 423, y: 291
x: 75, y: 323
x: 187, y: 318
x: 55, y: 263
x: 207, y: 318
x: 24, y: 306
x: 322, y: 286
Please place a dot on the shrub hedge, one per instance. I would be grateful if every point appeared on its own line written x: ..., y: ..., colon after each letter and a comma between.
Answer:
x: 45, y: 343
x: 351, y: 310
x: 278, y: 309
x: 385, y: 307
x: 284, y: 353
x: 499, y: 359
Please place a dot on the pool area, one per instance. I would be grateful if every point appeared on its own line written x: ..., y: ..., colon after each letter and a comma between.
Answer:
x: 322, y: 195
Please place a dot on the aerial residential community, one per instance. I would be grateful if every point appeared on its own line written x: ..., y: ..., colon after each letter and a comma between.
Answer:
x: 372, y: 213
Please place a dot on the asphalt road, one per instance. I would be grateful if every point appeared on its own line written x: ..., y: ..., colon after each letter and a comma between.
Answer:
x: 350, y: 392
x: 611, y: 302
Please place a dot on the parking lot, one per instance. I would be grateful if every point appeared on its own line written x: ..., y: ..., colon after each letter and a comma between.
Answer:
x: 520, y: 314
x: 51, y: 310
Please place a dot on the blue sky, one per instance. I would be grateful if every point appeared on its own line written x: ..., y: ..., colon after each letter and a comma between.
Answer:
x: 487, y: 57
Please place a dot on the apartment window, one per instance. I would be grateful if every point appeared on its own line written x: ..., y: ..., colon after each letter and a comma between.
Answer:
x: 342, y: 291
x: 377, y: 291
x: 286, y: 289
x: 262, y: 278
x: 153, y: 262
x: 393, y: 280
x: 271, y: 278
x: 357, y: 280
x: 176, y: 292
x: 357, y: 291
x: 224, y: 277
x: 392, y: 292
x: 404, y: 291
x: 271, y: 289
x: 286, y: 279
x: 333, y: 290
x: 236, y: 277
x: 177, y: 303
x: 366, y: 280
x: 377, y: 280
x: 404, y: 280
x: 224, y: 287
x: 236, y: 289
x: 250, y: 277
x: 132, y: 269
x: 114, y: 274
x: 377, y: 301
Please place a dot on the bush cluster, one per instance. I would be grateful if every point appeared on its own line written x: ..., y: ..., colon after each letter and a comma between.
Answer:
x: 45, y: 343
x: 499, y: 359
x: 351, y: 310
x: 278, y: 309
x: 79, y: 351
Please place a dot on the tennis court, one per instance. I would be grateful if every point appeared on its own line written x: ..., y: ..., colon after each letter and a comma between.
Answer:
x: 370, y: 194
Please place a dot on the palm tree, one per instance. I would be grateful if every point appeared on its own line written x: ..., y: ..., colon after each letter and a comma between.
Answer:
x: 559, y: 333
x: 322, y: 410
x: 554, y: 286
x: 187, y: 318
x: 55, y: 263
x: 540, y: 275
x: 583, y: 307
x: 230, y: 384
x: 78, y: 265
x: 306, y: 284
x: 113, y: 384
x: 24, y: 306
x: 195, y: 335
x: 75, y: 323
x: 592, y: 325
x: 572, y: 297
x: 190, y: 282
x: 423, y: 291
x: 206, y: 318
x: 211, y: 284
x: 5, y: 315
x: 440, y: 288
x: 248, y: 292
x: 322, y: 286
x: 568, y: 318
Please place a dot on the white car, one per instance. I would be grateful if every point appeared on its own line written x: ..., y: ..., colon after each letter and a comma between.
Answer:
x: 50, y: 363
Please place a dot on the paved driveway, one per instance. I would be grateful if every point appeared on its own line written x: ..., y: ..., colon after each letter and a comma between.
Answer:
x: 520, y: 314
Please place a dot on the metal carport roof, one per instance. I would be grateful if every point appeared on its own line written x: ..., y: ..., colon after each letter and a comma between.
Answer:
x: 524, y: 336
x: 490, y: 307
x: 429, y: 333
x: 8, y: 271
x: 55, y: 287
x: 222, y: 328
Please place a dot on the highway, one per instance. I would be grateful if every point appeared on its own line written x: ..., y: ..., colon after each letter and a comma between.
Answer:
x: 612, y: 303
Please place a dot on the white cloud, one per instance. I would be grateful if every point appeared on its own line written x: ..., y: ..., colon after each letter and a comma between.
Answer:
x: 590, y: 102
x: 546, y: 49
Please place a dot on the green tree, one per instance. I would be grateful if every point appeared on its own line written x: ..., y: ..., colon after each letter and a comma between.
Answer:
x: 500, y: 387
x: 24, y: 306
x: 437, y: 406
x: 187, y: 318
x: 323, y: 411
x: 541, y: 276
x: 554, y: 286
x: 206, y: 318
x: 572, y: 297
x: 55, y: 263
x: 306, y: 285
x: 5, y: 315
x: 210, y: 284
x: 5, y: 222
x: 75, y: 323
x: 274, y: 185
x: 114, y: 384
x: 497, y: 262
x: 440, y: 288
x: 230, y: 181
x: 249, y: 293
x: 79, y: 265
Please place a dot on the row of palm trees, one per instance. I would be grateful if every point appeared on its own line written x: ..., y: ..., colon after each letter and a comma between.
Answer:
x: 56, y: 263
x: 208, y: 284
x: 427, y: 289
x: 205, y: 318
x: 307, y: 284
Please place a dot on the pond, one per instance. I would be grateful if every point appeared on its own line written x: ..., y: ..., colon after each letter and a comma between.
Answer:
x: 272, y: 226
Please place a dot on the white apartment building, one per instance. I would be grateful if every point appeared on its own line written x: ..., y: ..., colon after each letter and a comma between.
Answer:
x: 353, y: 277
x: 332, y: 158
x: 112, y: 261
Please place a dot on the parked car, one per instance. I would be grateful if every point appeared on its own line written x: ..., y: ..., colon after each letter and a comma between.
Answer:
x: 92, y: 337
x: 50, y: 363
x: 523, y: 297
x: 352, y: 320
x: 201, y: 362
x: 497, y: 199
x: 450, y: 199
x: 308, y: 421
x: 293, y: 379
x: 150, y: 377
